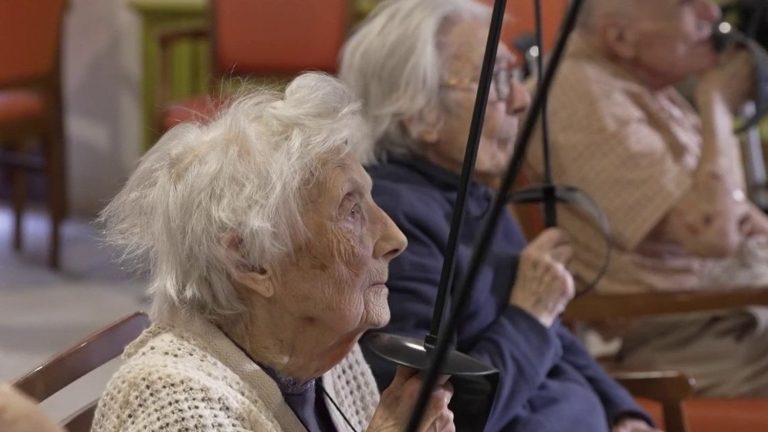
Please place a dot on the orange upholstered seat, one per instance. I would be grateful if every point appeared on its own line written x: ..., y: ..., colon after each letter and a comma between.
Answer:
x: 195, y: 109
x: 20, y: 105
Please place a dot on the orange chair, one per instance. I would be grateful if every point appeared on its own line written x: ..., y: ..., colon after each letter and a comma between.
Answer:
x: 258, y: 38
x: 31, y: 109
x: 74, y: 363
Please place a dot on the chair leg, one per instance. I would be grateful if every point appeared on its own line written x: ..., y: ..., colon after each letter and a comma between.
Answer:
x: 674, y: 418
x: 56, y: 195
x: 19, y: 181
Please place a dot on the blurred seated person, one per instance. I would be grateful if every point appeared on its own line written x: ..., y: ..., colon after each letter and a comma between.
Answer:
x: 415, y: 64
x: 268, y: 260
x: 669, y: 179
x: 19, y: 413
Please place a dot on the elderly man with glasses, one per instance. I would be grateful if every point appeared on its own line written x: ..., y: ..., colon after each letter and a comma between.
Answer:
x: 669, y: 179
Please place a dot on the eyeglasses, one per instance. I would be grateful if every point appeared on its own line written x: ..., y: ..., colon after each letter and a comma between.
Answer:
x: 501, y: 84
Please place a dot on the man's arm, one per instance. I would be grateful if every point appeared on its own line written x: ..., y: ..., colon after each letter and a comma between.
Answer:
x: 714, y: 216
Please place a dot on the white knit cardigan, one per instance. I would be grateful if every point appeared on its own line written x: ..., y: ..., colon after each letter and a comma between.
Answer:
x: 186, y: 375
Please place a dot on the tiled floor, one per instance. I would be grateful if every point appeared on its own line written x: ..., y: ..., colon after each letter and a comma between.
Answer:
x: 43, y: 312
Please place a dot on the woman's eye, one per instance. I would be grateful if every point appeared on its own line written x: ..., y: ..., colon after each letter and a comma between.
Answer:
x: 356, y: 212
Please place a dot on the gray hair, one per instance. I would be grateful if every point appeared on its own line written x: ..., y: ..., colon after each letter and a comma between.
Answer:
x: 393, y: 63
x: 244, y: 174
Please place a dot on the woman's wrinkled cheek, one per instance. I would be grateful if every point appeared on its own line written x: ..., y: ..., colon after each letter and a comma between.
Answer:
x: 335, y: 271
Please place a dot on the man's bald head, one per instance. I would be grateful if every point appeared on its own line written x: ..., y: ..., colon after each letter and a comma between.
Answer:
x: 594, y: 12
x: 662, y: 42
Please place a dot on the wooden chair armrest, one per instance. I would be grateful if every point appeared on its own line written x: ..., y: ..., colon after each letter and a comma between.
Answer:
x: 662, y: 386
x: 669, y: 388
x: 601, y: 307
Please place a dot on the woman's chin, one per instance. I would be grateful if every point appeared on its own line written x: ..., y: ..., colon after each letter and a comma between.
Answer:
x: 376, y: 307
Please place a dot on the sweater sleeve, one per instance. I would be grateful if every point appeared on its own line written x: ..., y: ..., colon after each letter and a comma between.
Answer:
x: 514, y: 342
x: 618, y: 403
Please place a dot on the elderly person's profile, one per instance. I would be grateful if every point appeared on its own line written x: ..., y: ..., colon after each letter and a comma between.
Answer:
x: 268, y: 260
x: 669, y: 176
x: 416, y: 64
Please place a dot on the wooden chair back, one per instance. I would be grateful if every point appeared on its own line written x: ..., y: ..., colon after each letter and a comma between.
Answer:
x: 668, y: 388
x: 273, y: 39
x: 87, y: 355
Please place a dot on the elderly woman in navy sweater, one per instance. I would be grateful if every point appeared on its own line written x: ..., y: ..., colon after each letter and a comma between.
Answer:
x: 415, y: 64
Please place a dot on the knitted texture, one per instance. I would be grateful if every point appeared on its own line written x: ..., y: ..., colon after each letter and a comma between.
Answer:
x: 184, y: 379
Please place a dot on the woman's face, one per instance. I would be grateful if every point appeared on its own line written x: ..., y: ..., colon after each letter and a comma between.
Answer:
x: 335, y: 281
x: 462, y: 46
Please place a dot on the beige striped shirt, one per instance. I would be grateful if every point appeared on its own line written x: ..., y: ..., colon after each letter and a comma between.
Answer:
x: 635, y: 152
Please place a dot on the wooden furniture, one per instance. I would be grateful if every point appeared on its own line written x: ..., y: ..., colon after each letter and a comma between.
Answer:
x: 31, y: 108
x: 190, y: 61
x: 601, y: 307
x: 74, y: 363
x: 254, y: 39
x: 190, y: 58
x: 668, y: 388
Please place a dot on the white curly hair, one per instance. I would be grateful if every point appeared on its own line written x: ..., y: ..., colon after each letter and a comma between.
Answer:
x: 243, y: 174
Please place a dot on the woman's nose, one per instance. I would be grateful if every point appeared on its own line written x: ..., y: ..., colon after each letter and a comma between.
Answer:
x: 391, y: 242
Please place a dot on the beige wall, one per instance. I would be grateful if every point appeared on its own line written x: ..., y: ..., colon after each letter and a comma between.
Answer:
x: 102, y: 98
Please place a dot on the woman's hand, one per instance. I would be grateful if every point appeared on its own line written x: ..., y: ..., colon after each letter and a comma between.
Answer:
x: 543, y: 286
x: 397, y: 402
x: 18, y: 413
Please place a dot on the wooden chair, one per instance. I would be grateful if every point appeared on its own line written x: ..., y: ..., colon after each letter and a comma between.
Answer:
x: 667, y: 388
x: 672, y: 390
x: 31, y: 109
x: 74, y: 363
x: 273, y: 39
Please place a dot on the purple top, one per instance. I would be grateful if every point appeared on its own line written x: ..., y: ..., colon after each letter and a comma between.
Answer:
x: 306, y: 400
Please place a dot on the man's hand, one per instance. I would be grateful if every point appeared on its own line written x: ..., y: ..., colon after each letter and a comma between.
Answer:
x: 754, y: 223
x: 733, y: 79
x: 543, y: 286
x: 634, y: 425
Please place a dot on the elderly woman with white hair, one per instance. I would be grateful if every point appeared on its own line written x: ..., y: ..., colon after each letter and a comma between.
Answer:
x: 268, y: 259
x: 416, y: 64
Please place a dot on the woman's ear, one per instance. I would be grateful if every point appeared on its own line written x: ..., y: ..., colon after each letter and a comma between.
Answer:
x: 256, y: 278
x: 424, y: 126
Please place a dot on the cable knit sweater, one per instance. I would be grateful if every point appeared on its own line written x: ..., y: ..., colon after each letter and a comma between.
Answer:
x: 186, y: 375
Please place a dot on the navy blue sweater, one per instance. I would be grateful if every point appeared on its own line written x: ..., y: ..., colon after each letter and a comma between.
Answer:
x: 548, y: 381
